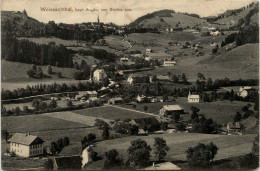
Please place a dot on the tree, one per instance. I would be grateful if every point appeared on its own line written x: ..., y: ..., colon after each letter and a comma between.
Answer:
x: 100, y: 123
x: 60, y: 145
x: 164, y: 126
x: 184, y: 79
x: 35, y: 104
x: 200, y: 76
x: 105, y: 133
x: 59, y: 74
x: 5, y: 135
x: 66, y: 141
x: 145, y: 108
x: 113, y: 160
x: 53, y: 104
x: 176, y: 116
x: 76, y: 66
x: 25, y: 109
x: 54, y: 148
x: 49, y: 69
x: 134, y: 130
x: 160, y: 148
x: 180, y: 126
x: 139, y: 153
x: 91, y: 138
x: 249, y: 161
x: 199, y: 156
x: 69, y: 103
x: 213, y: 150
x: 174, y: 78
x: 237, y: 117
x: 39, y: 73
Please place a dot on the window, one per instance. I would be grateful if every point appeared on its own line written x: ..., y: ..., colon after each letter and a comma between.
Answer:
x: 30, y: 152
x: 17, y: 151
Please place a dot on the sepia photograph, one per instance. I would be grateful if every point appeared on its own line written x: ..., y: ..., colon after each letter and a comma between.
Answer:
x: 129, y: 85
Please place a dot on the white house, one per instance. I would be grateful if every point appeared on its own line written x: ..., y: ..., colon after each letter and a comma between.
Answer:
x: 99, y: 75
x: 244, y: 91
x: 26, y: 145
x: 169, y: 63
x: 192, y: 98
x: 148, y: 51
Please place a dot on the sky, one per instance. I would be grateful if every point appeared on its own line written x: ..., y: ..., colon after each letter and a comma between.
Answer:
x: 138, y: 8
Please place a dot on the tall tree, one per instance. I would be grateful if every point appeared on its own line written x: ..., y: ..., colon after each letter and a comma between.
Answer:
x: 160, y: 148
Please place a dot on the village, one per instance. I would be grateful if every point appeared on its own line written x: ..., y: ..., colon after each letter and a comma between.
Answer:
x: 97, y: 95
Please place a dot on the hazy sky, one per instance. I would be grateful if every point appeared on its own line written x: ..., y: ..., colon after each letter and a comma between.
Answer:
x: 138, y: 7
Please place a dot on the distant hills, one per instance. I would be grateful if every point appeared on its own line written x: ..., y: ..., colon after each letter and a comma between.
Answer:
x: 169, y: 18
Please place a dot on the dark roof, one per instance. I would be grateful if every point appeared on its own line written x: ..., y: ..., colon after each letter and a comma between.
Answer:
x: 25, y: 139
x: 70, y: 162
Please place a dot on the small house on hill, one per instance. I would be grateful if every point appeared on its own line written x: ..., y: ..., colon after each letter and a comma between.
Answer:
x: 171, y: 109
x: 115, y: 101
x: 99, y: 75
x: 67, y: 163
x: 169, y: 63
x: 193, y: 98
x: 148, y: 50
x: 26, y: 145
x: 245, y: 91
x: 151, y: 123
x: 234, y: 127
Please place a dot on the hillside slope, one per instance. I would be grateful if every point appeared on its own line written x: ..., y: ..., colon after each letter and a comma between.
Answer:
x: 245, y: 57
x: 168, y: 18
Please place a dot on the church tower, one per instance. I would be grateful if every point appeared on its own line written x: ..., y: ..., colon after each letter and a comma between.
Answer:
x: 98, y: 19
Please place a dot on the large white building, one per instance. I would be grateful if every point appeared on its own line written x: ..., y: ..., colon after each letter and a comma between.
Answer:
x: 193, y: 98
x: 244, y: 91
x: 26, y: 145
x: 99, y: 75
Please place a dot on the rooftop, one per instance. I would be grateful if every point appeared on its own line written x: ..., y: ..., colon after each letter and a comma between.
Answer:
x: 172, y: 107
x: 25, y: 139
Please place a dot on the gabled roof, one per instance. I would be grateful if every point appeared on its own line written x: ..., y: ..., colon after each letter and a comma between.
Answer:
x: 91, y: 92
x: 70, y: 162
x: 25, y: 139
x: 172, y: 107
x: 193, y: 96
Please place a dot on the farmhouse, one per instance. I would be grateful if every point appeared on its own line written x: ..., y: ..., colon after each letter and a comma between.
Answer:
x: 192, y: 98
x: 151, y: 123
x: 245, y: 91
x: 171, y: 109
x: 169, y: 63
x: 26, y: 145
x: 115, y: 101
x: 234, y: 127
x: 67, y: 162
x: 148, y: 50
x: 124, y: 59
x: 91, y: 95
x: 99, y: 75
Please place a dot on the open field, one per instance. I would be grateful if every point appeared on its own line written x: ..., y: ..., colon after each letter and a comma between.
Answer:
x: 57, y: 41
x: 39, y: 122
x: 16, y: 72
x: 179, y: 143
x: 219, y: 111
x: 110, y: 112
x: 90, y: 60
x: 60, y: 103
